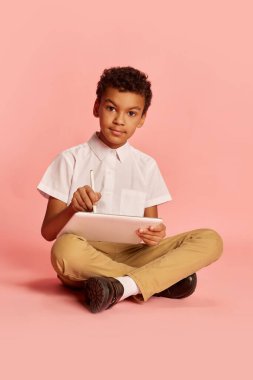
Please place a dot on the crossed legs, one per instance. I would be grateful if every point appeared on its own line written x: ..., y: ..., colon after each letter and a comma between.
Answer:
x: 152, y: 268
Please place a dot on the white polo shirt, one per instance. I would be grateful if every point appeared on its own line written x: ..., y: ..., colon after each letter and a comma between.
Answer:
x: 128, y: 179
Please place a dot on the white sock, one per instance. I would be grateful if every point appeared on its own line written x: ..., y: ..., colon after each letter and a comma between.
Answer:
x: 130, y: 287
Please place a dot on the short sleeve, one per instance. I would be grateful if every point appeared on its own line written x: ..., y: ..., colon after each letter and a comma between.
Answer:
x: 57, y: 179
x: 157, y: 191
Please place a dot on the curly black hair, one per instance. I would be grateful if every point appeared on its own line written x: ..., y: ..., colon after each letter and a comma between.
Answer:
x: 125, y: 79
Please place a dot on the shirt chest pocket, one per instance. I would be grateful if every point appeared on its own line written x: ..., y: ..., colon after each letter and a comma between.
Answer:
x: 132, y: 202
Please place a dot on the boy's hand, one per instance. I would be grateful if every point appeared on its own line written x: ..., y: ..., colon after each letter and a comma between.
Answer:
x: 84, y: 198
x: 152, y: 235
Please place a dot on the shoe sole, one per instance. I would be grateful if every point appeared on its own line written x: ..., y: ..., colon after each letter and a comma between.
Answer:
x: 96, y: 295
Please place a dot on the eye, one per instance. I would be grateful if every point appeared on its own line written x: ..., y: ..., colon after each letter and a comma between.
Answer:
x: 110, y: 108
x: 132, y: 113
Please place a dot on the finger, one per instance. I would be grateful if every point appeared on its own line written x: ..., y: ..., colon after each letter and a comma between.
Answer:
x: 149, y: 233
x: 85, y: 198
x: 76, y: 205
x: 150, y: 242
x: 79, y: 201
x: 92, y: 195
x: 143, y: 230
x: 99, y: 195
x: 158, y: 227
x: 150, y: 237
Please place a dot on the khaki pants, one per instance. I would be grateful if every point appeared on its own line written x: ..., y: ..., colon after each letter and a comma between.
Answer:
x: 152, y: 268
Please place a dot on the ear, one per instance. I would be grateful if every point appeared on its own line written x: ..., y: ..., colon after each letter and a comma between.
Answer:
x: 142, y: 121
x: 96, y: 108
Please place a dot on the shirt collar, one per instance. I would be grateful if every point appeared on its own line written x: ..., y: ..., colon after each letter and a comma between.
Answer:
x: 101, y: 149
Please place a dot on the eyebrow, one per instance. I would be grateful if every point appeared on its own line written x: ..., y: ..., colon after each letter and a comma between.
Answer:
x: 131, y: 108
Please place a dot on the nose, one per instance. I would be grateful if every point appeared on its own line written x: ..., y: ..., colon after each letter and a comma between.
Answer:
x: 119, y: 119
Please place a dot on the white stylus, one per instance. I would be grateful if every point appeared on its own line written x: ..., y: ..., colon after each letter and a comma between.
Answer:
x: 92, y: 182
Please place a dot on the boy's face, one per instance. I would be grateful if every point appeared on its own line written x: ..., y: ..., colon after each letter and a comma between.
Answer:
x: 120, y: 113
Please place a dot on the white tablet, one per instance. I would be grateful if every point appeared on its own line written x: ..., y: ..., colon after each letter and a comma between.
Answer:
x: 107, y: 227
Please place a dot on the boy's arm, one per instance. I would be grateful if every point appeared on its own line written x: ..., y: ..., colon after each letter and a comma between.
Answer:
x: 153, y: 235
x: 151, y: 212
x: 58, y: 213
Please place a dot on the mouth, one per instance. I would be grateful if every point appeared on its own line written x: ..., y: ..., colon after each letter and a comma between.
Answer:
x: 116, y: 132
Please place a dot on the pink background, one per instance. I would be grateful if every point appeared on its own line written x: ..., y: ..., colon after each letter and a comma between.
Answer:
x: 198, y: 56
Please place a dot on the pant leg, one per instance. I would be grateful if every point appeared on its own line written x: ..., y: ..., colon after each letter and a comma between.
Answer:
x: 153, y: 268
x: 176, y: 257
x: 75, y: 259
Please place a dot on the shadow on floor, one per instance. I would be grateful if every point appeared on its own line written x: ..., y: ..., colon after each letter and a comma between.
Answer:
x: 52, y: 286
x: 46, y: 285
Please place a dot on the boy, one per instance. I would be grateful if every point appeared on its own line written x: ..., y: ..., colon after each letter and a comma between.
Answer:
x: 128, y: 183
